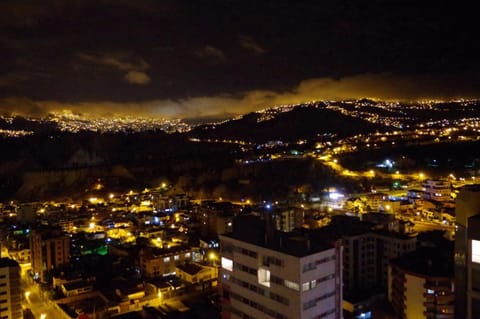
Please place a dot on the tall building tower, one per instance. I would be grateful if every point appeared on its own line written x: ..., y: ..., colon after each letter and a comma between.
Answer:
x: 420, y: 284
x: 50, y: 248
x: 10, y: 292
x: 467, y: 253
x: 268, y: 274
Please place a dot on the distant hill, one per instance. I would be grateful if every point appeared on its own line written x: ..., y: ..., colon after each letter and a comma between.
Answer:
x: 300, y: 122
x: 28, y: 124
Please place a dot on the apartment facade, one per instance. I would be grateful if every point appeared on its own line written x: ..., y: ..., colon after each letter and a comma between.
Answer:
x: 49, y: 248
x: 10, y: 290
x: 421, y: 286
x: 161, y: 262
x: 467, y: 253
x: 279, y: 277
x: 366, y: 256
x: 438, y: 190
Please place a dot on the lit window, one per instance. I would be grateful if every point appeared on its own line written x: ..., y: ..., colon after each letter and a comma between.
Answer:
x: 306, y: 286
x: 264, y: 276
x: 292, y: 285
x: 166, y: 259
x: 430, y: 291
x: 187, y: 255
x: 227, y: 264
x: 476, y: 251
x: 177, y: 257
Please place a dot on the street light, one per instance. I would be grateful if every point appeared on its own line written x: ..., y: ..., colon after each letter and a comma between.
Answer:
x: 213, y: 257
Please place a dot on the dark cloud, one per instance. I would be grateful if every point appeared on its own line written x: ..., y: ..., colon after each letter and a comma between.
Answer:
x: 209, y: 51
x: 250, y: 44
x: 137, y: 77
x: 375, y: 86
x: 220, y: 57
x: 134, y: 67
x: 120, y: 61
x: 10, y: 79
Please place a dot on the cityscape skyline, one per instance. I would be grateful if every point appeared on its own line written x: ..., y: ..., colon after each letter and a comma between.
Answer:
x: 239, y: 159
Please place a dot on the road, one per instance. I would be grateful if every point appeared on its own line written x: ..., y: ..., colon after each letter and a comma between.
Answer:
x: 42, y: 308
x: 422, y: 226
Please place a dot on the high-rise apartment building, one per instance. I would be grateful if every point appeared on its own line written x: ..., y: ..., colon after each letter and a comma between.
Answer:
x: 269, y: 274
x: 366, y: 253
x: 467, y: 253
x: 50, y: 248
x: 10, y: 290
x: 421, y: 284
x: 366, y: 258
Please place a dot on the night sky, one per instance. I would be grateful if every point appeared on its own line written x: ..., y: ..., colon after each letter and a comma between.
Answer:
x: 198, y: 59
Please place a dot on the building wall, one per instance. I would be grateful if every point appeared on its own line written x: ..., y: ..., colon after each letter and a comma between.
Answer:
x: 10, y: 293
x: 204, y: 275
x: 437, y: 190
x: 158, y: 265
x: 288, y: 220
x: 366, y: 257
x: 473, y: 268
x: 414, y: 308
x: 48, y: 253
x: 467, y: 205
x: 416, y: 296
x: 297, y: 287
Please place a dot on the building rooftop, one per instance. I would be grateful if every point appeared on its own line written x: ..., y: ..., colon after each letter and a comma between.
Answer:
x: 255, y: 230
x: 159, y: 282
x: 7, y: 262
x: 428, y: 262
x: 154, y: 252
x: 77, y: 284
x: 189, y: 268
x: 49, y: 232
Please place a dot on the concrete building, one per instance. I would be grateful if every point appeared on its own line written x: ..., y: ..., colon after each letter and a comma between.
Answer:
x: 366, y: 258
x: 10, y: 290
x: 156, y: 262
x: 287, y: 220
x: 27, y: 212
x: 467, y: 253
x: 421, y: 284
x: 366, y: 254
x: 269, y: 274
x: 216, y: 218
x: 49, y: 248
x: 437, y: 190
x: 195, y: 273
x: 375, y: 201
